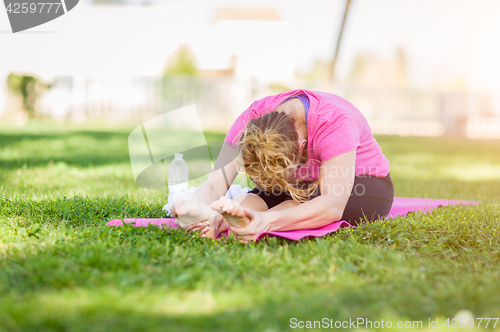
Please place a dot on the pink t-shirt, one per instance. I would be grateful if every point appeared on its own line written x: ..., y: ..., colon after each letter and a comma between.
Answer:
x: 334, y: 127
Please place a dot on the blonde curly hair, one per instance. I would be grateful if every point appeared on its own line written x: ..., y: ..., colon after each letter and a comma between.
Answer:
x: 270, y: 152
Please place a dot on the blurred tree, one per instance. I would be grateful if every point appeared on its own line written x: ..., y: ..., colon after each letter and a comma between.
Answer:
x: 28, y: 88
x: 278, y: 87
x: 339, y: 40
x: 401, y: 66
x: 358, y: 68
x: 371, y: 70
x: 182, y: 63
x: 318, y: 72
x: 179, y: 84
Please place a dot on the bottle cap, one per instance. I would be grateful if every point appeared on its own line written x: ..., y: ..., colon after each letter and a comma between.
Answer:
x: 178, y: 155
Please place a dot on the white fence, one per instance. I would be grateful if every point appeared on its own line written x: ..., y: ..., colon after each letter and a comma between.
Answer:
x: 220, y: 101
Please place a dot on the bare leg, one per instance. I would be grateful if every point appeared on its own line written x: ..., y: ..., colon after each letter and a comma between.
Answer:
x: 284, y: 205
x: 251, y: 202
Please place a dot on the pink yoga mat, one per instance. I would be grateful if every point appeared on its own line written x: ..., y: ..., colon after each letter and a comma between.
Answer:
x: 400, y: 207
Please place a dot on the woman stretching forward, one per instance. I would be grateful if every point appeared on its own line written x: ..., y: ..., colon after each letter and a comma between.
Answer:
x: 313, y: 159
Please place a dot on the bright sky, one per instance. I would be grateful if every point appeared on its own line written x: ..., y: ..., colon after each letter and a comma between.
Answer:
x: 443, y: 39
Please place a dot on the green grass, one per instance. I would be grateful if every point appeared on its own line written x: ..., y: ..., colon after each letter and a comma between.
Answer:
x: 62, y: 269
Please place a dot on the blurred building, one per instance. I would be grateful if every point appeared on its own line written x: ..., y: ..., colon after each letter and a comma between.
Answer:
x: 247, y: 43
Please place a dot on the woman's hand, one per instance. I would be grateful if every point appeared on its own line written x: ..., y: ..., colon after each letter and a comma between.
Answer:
x: 195, y: 216
x: 191, y: 227
x: 241, y: 221
x: 213, y: 227
x: 258, y: 225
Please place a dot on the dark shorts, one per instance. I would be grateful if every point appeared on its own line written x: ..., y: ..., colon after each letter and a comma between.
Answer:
x: 371, y: 198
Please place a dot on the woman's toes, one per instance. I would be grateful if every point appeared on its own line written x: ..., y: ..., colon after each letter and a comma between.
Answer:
x: 227, y: 209
x: 228, y: 206
x: 235, y: 211
x: 215, y: 205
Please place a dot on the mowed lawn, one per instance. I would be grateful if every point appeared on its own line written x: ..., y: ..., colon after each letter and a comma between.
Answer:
x: 63, y: 269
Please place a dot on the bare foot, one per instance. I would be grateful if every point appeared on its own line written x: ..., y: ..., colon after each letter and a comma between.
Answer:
x: 234, y: 213
x: 198, y: 216
x: 189, y: 212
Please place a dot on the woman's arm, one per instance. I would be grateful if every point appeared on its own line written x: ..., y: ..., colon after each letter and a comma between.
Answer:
x: 336, y: 182
x: 209, y: 190
x: 196, y: 214
x: 221, y: 178
x: 225, y: 170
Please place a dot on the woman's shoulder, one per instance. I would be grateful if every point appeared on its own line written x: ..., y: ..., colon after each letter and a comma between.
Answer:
x: 328, y: 108
x: 277, y: 98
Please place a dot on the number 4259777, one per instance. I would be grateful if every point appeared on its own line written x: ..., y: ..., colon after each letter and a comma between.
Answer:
x: 469, y: 322
x: 40, y: 7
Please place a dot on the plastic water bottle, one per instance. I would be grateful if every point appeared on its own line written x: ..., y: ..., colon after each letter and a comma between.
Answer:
x: 178, y: 177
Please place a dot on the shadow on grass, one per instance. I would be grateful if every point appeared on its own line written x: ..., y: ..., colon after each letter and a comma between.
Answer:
x: 396, y: 300
x: 81, y: 148
x: 91, y: 149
